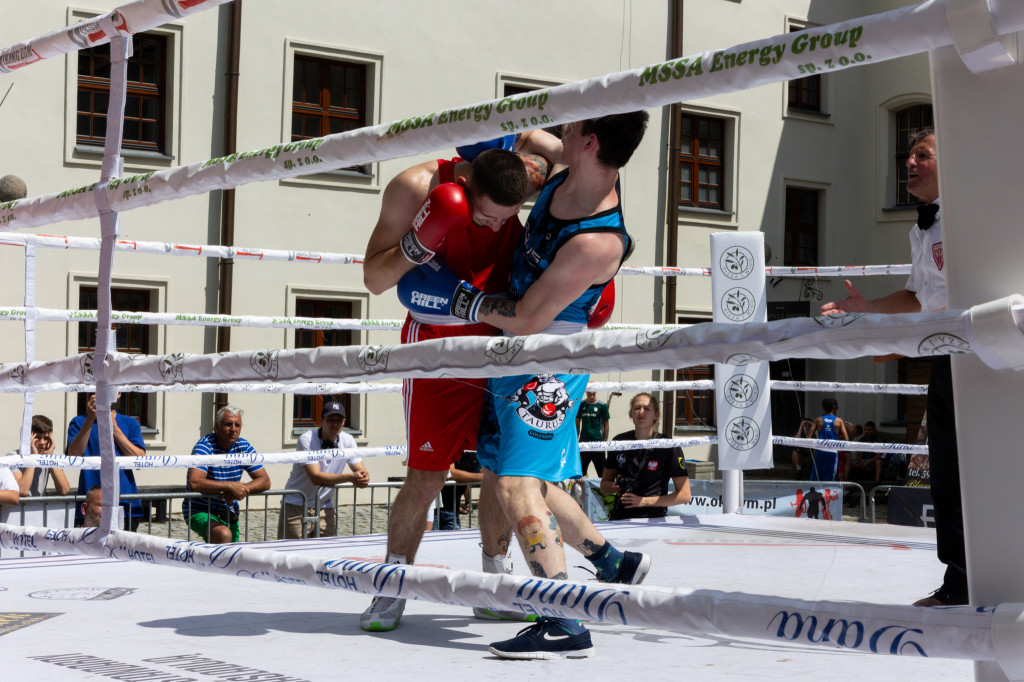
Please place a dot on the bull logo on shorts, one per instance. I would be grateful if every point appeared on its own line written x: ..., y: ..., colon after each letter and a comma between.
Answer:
x: 543, y: 402
x: 264, y: 363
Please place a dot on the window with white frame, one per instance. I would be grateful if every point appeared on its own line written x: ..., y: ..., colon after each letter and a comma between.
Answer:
x: 133, y: 294
x: 302, y: 411
x: 152, y: 130
x: 703, y: 161
x: 330, y: 90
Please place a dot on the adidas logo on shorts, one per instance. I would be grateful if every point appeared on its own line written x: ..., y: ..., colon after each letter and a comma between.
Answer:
x: 426, y: 447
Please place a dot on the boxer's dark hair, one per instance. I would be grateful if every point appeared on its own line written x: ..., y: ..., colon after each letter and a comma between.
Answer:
x: 500, y: 176
x: 618, y: 136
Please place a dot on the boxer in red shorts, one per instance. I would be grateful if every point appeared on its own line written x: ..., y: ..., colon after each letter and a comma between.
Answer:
x: 466, y: 216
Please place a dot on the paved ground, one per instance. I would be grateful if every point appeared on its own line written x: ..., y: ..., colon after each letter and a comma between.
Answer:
x: 366, y: 520
x: 73, y: 617
x: 257, y: 525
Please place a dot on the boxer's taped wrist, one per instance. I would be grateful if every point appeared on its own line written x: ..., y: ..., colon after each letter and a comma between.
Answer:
x: 413, y: 250
x: 466, y: 302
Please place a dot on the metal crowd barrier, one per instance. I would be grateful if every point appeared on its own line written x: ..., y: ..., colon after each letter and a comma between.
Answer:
x: 373, y: 487
x: 887, y: 488
x: 257, y: 503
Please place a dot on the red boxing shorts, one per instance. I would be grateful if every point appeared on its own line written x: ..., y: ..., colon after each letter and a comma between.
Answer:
x: 442, y: 416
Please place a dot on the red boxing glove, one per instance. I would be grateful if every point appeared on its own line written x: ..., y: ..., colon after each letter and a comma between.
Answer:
x: 444, y: 209
x: 602, y: 310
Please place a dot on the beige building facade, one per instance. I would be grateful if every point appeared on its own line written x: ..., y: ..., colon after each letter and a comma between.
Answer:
x: 817, y: 162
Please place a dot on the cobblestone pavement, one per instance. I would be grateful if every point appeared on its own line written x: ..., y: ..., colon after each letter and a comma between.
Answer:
x: 253, y: 531
x: 256, y: 526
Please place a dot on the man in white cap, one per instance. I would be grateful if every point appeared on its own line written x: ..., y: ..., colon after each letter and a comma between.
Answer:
x: 317, y: 481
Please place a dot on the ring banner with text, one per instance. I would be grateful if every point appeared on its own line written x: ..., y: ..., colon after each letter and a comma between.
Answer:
x: 776, y: 59
x: 800, y: 499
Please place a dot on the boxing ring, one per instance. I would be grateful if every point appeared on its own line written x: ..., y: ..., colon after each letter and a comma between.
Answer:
x: 797, y: 623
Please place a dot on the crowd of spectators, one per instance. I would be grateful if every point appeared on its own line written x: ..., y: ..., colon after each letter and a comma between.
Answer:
x: 213, y: 514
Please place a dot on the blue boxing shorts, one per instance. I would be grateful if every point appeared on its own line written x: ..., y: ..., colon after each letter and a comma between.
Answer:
x: 529, y: 426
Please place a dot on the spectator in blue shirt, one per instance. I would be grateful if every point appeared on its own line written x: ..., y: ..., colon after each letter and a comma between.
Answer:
x: 84, y: 441
x: 215, y: 517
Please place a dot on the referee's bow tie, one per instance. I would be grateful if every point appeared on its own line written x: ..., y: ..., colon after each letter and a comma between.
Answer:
x: 926, y: 215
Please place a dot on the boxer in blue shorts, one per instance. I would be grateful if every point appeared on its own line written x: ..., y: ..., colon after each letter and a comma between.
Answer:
x: 573, y: 244
x: 523, y: 411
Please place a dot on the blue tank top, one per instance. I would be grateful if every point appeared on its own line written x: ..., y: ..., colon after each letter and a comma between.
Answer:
x: 544, y: 235
x: 828, y: 428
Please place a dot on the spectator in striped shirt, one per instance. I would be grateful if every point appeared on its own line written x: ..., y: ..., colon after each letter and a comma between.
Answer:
x: 215, y: 517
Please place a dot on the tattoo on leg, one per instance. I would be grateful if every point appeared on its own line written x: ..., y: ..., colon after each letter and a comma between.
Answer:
x: 553, y: 525
x: 588, y: 548
x: 529, y: 531
x: 504, y: 540
x: 538, y: 571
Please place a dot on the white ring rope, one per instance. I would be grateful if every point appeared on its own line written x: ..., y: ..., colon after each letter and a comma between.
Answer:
x: 371, y: 387
x: 774, y: 271
x: 196, y: 250
x: 183, y: 461
x: 850, y: 446
x: 307, y: 457
x: 128, y: 19
x: 22, y: 313
x: 304, y: 388
x: 952, y: 632
x: 777, y: 384
x: 834, y: 337
x: 840, y: 387
x: 897, y: 33
x: 17, y: 314
x: 318, y: 257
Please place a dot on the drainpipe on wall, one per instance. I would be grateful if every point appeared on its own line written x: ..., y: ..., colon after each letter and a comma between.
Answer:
x: 225, y: 269
x: 672, y: 214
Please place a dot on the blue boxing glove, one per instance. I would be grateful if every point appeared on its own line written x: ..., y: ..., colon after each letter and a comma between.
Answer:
x: 468, y: 152
x: 433, y: 289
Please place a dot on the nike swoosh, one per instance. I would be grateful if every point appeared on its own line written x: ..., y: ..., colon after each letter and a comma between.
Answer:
x: 553, y: 638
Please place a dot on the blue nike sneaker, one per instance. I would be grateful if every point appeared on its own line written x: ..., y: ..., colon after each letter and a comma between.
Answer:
x: 632, y: 570
x: 547, y: 638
